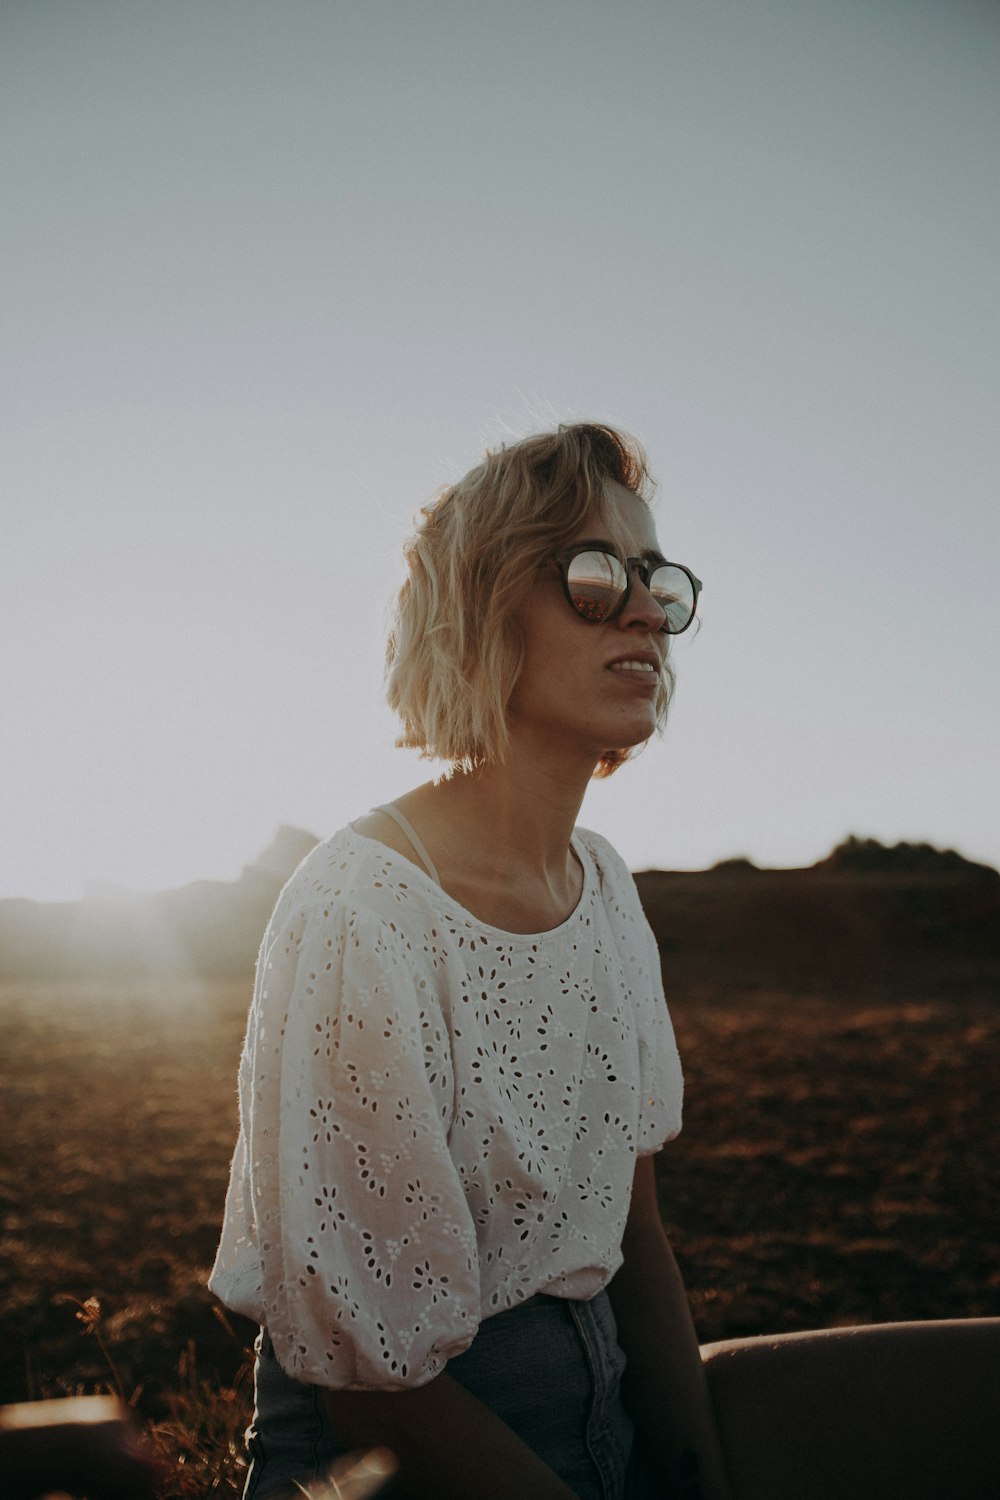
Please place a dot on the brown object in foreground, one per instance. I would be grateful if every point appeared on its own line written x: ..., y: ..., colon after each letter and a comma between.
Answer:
x: 882, y: 1411
x: 87, y: 1445
x: 81, y: 1445
x: 356, y: 1476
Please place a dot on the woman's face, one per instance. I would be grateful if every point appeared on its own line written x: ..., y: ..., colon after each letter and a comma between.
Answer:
x: 576, y: 697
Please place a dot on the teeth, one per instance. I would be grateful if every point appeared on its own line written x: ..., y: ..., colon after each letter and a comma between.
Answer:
x: 632, y: 666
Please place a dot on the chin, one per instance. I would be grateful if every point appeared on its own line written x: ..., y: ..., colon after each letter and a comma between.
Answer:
x: 627, y: 744
x: 628, y: 739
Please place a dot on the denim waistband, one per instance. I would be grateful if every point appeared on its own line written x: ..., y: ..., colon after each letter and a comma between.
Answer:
x: 265, y: 1347
x: 549, y: 1367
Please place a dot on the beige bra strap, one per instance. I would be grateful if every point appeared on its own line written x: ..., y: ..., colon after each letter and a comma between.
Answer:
x: 414, y: 838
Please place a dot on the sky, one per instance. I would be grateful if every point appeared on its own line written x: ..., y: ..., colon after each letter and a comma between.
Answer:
x: 273, y: 274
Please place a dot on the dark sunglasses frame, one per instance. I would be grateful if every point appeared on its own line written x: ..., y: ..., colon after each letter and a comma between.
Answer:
x: 641, y: 565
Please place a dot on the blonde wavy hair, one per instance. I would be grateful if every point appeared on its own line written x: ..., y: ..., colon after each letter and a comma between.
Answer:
x: 455, y: 649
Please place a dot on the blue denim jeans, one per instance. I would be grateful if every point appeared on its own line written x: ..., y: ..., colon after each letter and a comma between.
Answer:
x: 551, y: 1369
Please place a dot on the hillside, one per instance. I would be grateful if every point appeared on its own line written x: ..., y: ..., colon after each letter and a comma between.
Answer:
x: 866, y: 918
x: 209, y: 929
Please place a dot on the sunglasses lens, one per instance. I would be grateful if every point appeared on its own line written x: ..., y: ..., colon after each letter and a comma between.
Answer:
x: 596, y: 584
x: 674, y: 593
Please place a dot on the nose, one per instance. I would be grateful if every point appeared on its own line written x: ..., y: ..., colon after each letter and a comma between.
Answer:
x: 641, y: 609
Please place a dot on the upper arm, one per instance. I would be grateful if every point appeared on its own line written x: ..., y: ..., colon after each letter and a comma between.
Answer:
x: 367, y: 1249
x: 644, y: 1210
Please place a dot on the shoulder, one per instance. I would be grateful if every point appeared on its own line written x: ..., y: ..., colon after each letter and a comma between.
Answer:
x: 355, y: 880
x: 612, y: 870
x: 352, y: 921
x: 619, y: 895
x: 379, y: 827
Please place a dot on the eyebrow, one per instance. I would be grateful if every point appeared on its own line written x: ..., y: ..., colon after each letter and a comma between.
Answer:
x: 601, y: 545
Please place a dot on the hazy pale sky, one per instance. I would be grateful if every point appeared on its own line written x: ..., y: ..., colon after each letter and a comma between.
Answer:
x: 273, y: 273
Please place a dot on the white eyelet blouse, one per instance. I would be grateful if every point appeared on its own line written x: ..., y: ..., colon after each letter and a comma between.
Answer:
x: 437, y: 1118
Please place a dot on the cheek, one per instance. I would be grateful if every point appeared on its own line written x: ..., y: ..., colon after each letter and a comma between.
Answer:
x: 554, y: 673
x: 550, y: 634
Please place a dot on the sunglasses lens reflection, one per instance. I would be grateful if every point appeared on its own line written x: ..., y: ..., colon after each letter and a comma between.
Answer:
x: 673, y: 591
x: 596, y: 584
x: 597, y: 581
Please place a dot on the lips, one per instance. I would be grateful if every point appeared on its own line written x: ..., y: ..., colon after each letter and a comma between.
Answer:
x: 646, y: 662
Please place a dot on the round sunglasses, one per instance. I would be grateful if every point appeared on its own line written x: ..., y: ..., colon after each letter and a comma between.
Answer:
x: 597, y: 582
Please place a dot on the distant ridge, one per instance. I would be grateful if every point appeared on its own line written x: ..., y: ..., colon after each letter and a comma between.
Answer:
x: 284, y: 853
x: 869, y: 917
x: 869, y: 856
x: 866, y: 917
x: 209, y: 929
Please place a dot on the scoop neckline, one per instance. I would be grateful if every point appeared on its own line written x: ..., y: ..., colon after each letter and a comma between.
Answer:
x: 471, y: 920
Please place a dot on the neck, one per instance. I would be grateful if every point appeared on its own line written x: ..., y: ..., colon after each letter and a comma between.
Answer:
x: 524, y: 810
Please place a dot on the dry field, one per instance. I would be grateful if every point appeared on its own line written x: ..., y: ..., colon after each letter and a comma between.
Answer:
x: 837, y: 1166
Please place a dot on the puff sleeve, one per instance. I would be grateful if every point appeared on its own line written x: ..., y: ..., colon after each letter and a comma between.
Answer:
x: 660, y: 1079
x: 366, y: 1247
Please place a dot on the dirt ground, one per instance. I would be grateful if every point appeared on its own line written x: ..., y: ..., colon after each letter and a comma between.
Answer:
x: 837, y: 1166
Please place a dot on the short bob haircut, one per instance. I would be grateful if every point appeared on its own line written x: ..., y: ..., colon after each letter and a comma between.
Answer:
x: 455, y: 649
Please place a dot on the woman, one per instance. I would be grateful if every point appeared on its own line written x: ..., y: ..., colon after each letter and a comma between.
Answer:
x: 459, y: 1060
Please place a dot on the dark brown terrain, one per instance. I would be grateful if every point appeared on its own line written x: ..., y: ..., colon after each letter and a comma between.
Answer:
x: 840, y: 1029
